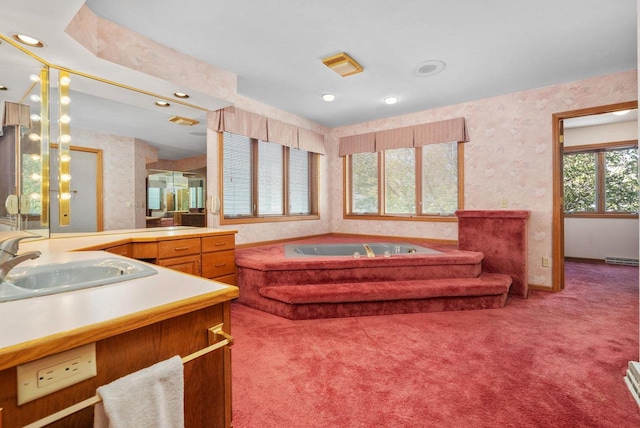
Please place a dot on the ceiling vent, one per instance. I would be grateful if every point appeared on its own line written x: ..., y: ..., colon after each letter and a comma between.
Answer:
x: 343, y: 64
x: 185, y: 121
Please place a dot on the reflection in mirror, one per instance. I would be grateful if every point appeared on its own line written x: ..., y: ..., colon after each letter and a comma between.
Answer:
x: 24, y: 142
x: 176, y: 198
x: 129, y: 134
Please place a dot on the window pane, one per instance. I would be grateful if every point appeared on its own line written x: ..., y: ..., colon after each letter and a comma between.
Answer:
x: 364, y: 179
x: 270, y: 178
x: 400, y: 181
x: 580, y: 182
x: 440, y: 178
x: 236, y: 175
x: 298, y: 182
x: 621, y: 180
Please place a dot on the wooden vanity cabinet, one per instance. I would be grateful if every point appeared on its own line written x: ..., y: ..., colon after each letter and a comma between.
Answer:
x: 125, y: 250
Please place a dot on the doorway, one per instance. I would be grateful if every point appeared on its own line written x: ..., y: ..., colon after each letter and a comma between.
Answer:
x: 558, y: 233
x: 86, y: 191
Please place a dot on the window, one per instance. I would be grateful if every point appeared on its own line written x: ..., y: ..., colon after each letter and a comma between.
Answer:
x: 601, y: 180
x: 421, y: 182
x: 265, y: 181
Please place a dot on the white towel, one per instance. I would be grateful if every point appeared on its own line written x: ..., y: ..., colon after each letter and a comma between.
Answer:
x: 149, y: 398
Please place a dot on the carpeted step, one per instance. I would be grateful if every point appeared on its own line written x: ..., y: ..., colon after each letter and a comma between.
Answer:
x: 484, y: 285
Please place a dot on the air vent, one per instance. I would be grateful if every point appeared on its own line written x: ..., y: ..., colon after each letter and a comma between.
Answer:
x: 621, y: 261
x: 185, y: 121
x: 343, y: 64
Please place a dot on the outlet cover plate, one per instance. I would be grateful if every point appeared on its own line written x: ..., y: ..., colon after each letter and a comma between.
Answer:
x: 55, y: 372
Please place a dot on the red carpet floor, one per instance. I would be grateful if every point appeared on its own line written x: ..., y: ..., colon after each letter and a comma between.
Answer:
x: 553, y: 360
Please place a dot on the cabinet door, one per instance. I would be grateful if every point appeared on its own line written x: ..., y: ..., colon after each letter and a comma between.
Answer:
x: 122, y: 250
x: 186, y: 264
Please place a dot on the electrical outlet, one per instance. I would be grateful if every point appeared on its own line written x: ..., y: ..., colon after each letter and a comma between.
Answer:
x: 55, y: 372
x: 503, y: 203
x: 546, y: 262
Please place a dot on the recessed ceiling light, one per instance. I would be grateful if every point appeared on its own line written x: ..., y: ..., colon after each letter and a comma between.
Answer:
x: 162, y: 104
x: 328, y: 97
x: 621, y: 112
x: 3, y: 88
x: 180, y: 95
x: 428, y: 68
x: 391, y: 100
x: 28, y: 40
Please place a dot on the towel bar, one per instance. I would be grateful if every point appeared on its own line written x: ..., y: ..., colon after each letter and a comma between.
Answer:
x: 215, y: 331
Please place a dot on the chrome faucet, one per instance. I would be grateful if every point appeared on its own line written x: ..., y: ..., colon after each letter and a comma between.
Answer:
x: 369, y: 251
x: 9, y: 257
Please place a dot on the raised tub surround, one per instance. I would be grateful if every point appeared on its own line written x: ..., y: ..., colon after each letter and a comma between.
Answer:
x: 502, y: 236
x: 329, y: 286
x: 126, y: 321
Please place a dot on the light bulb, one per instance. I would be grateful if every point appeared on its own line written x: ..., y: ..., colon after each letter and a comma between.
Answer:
x: 65, y: 158
x: 35, y: 196
x: 65, y: 177
x: 35, y: 117
x: 34, y: 78
x: 65, y: 196
x: 35, y: 157
x: 65, y: 100
x: 65, y: 80
x: 65, y: 138
x: 35, y: 98
x: 65, y: 119
x: 35, y: 176
x: 34, y: 137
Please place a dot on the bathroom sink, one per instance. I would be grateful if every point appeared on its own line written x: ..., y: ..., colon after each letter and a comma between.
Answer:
x: 25, y: 282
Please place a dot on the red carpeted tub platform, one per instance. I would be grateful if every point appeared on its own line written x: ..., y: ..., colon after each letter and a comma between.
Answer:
x: 330, y: 287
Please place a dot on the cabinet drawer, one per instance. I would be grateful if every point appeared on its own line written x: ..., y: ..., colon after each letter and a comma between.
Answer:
x: 218, y: 264
x: 218, y: 243
x: 227, y: 279
x: 178, y: 247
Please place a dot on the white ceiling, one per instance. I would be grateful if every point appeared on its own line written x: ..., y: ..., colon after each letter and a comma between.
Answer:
x: 275, y: 47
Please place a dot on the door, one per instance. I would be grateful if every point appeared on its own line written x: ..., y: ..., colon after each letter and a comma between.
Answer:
x: 86, y: 194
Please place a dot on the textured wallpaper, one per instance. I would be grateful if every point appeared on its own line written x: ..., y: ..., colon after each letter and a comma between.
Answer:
x: 508, y: 158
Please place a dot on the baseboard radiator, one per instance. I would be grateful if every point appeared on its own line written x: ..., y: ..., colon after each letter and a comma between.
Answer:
x: 632, y: 379
x: 621, y: 261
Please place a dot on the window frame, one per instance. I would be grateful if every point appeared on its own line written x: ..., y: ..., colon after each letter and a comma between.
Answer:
x: 599, y: 149
x: 254, y: 217
x: 347, y: 187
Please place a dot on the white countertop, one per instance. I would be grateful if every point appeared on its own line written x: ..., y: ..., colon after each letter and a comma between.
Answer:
x: 37, y: 318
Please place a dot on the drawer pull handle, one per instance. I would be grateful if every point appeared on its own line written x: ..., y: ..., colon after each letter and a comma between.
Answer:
x: 219, y: 244
x: 181, y: 248
x: 220, y: 264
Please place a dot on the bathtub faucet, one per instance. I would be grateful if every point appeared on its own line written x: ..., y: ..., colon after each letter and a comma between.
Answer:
x: 369, y: 251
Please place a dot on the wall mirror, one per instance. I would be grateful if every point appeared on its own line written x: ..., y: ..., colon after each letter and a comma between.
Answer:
x: 115, y: 137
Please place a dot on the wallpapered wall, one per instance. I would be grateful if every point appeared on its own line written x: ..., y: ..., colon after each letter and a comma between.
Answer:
x: 508, y: 158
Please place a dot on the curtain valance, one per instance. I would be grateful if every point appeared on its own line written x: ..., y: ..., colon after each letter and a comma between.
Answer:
x: 410, y: 136
x: 252, y: 125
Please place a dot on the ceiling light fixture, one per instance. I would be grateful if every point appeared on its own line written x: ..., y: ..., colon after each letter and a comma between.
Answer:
x: 343, y: 64
x: 28, y: 40
x: 180, y: 95
x: 391, y: 100
x: 428, y: 68
x: 328, y: 97
x: 621, y: 112
x: 162, y: 104
x: 3, y: 88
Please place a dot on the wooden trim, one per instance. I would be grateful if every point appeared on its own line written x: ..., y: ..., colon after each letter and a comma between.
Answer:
x: 602, y: 215
x: 540, y: 287
x: 395, y: 217
x: 626, y: 144
x: 558, y: 203
x: 460, y: 175
x: 584, y: 260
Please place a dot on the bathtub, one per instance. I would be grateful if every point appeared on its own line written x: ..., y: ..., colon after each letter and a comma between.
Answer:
x: 355, y: 250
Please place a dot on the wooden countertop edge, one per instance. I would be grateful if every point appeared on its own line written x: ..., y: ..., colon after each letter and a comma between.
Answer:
x: 134, y: 239
x: 35, y: 349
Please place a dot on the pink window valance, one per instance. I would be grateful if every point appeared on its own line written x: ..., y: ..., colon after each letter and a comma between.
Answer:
x: 362, y: 143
